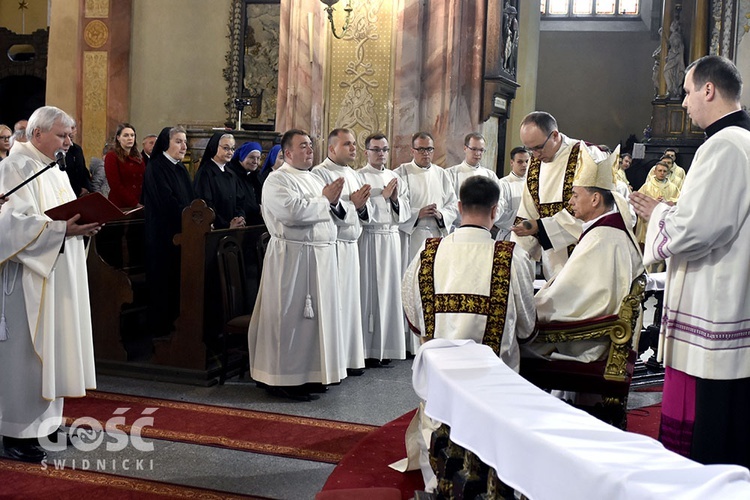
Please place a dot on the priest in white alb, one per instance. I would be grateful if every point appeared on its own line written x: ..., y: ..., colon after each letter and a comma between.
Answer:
x: 512, y: 187
x: 549, y: 230
x: 432, y: 203
x: 355, y: 199
x: 46, y: 348
x: 380, y: 257
x: 474, y: 148
x: 704, y: 239
x: 294, y: 336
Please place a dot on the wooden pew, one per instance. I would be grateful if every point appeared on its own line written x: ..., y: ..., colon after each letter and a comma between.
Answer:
x: 188, y: 354
x: 115, y: 264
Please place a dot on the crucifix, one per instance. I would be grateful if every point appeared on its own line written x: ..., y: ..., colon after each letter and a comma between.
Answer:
x: 23, y: 6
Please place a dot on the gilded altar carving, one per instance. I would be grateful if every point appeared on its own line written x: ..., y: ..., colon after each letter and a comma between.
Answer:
x: 96, y: 34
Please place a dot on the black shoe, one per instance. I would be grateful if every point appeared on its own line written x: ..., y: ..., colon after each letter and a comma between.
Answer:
x: 295, y: 393
x: 315, y: 387
x: 372, y: 363
x: 58, y: 437
x: 385, y: 361
x: 355, y: 372
x: 25, y: 450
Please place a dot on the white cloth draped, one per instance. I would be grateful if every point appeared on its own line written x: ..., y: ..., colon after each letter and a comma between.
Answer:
x: 380, y: 267
x: 545, y: 448
x: 286, y: 348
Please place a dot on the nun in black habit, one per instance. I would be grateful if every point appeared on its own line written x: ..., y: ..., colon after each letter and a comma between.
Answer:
x: 167, y: 191
x: 217, y: 185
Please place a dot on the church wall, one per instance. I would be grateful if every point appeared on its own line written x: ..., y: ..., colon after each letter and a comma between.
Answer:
x: 177, y: 61
x: 597, y: 85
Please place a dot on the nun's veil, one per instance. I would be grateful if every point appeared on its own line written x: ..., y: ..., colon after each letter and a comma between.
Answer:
x: 211, y: 148
x: 162, y: 142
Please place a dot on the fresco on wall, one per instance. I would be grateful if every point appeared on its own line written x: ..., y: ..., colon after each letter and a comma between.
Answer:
x: 742, y: 52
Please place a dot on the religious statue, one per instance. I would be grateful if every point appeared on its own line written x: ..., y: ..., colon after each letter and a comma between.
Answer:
x: 674, y: 65
x: 510, y: 46
x: 656, y: 70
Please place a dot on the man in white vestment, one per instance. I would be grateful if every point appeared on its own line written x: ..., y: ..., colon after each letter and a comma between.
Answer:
x: 704, y: 239
x: 432, y: 203
x: 468, y: 286
x: 294, y: 338
x: 380, y: 257
x: 626, y: 159
x: 474, y: 148
x: 548, y: 228
x: 511, y: 189
x: 601, y: 268
x: 355, y: 196
x: 659, y: 187
x: 676, y: 174
x: 46, y: 348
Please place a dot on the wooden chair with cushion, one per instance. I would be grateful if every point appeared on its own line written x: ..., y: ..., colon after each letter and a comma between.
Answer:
x: 609, y: 377
x: 234, y: 297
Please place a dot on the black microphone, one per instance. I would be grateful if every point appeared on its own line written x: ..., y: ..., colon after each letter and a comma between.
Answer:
x: 60, y: 160
x: 526, y: 224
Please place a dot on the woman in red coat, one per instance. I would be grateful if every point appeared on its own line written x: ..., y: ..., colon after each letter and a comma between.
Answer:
x: 124, y: 168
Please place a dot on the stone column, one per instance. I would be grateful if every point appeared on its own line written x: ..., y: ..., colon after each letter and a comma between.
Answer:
x: 699, y: 35
x: 89, y: 70
x: 302, y: 57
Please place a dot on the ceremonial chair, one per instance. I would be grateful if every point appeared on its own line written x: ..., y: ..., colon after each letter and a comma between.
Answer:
x: 236, y: 309
x: 610, y: 377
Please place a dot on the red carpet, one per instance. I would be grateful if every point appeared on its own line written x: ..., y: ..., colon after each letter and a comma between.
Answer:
x: 259, y: 432
x: 366, y: 466
x: 645, y: 420
x: 52, y: 484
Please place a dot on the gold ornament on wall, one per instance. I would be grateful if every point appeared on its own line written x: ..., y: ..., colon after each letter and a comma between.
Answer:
x: 96, y: 34
x: 360, y: 72
x: 96, y: 8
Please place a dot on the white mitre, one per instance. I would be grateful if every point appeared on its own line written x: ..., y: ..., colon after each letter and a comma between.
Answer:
x: 589, y: 173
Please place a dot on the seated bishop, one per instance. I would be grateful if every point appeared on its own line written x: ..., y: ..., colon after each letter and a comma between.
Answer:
x: 600, y: 270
